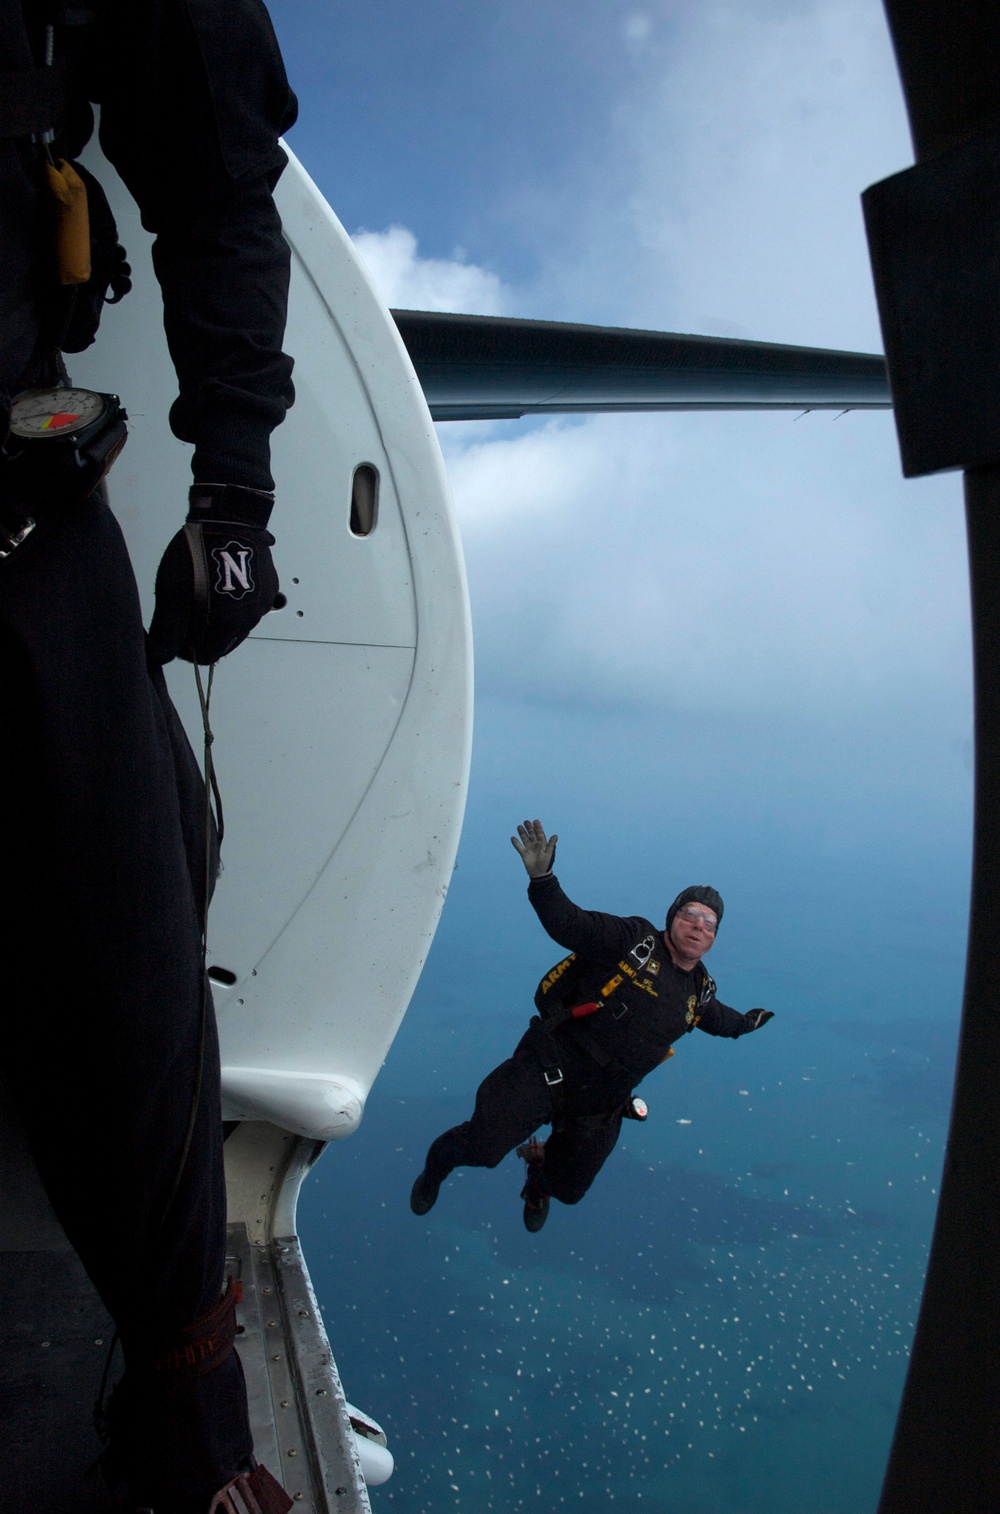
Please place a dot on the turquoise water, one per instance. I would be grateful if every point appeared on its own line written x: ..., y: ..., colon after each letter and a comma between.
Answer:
x: 722, y: 1326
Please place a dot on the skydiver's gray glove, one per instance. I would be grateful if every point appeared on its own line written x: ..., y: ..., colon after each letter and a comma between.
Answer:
x: 216, y: 580
x: 536, y: 852
x: 755, y: 1018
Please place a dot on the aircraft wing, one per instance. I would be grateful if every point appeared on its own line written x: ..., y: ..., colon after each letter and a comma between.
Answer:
x: 482, y: 367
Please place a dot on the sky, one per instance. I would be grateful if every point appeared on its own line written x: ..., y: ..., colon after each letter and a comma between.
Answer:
x: 686, y: 168
x: 732, y: 647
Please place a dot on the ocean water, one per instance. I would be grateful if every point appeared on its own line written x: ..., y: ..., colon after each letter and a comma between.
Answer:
x: 722, y: 1325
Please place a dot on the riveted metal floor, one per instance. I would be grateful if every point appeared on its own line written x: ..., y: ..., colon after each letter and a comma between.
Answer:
x: 301, y: 1427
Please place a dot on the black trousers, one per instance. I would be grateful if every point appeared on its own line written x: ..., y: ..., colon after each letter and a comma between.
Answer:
x: 101, y: 833
x: 585, y: 1112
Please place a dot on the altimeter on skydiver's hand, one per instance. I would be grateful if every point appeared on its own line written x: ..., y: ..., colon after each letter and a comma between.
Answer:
x: 537, y: 853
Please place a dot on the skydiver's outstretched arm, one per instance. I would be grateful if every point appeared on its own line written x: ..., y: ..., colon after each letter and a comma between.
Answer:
x: 604, y: 938
x: 718, y: 1019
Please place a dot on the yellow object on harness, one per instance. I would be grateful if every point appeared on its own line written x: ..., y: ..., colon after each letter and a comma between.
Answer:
x: 72, y: 222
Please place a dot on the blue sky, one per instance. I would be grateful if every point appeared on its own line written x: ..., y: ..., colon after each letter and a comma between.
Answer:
x: 725, y: 647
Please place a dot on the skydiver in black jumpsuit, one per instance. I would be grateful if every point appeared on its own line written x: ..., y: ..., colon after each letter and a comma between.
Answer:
x: 639, y: 988
x: 102, y: 808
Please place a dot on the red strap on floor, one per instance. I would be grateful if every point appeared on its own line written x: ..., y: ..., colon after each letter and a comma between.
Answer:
x: 258, y: 1493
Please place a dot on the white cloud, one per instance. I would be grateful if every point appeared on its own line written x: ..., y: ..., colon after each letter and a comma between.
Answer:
x: 727, y: 194
x: 637, y: 28
x: 729, y: 563
x: 750, y: 151
x: 526, y: 482
x: 748, y: 565
x: 407, y: 281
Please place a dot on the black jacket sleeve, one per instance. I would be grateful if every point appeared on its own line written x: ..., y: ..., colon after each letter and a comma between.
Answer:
x: 717, y: 1019
x: 602, y: 938
x: 193, y: 97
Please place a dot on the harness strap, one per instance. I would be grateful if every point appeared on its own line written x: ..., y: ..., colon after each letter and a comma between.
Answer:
x: 551, y: 1021
x: 584, y: 1121
x: 203, y: 1345
x: 32, y: 100
x: 594, y: 1049
x: 200, y: 604
x: 547, y: 1052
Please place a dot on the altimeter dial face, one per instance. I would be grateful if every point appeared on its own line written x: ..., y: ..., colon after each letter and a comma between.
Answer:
x: 44, y: 413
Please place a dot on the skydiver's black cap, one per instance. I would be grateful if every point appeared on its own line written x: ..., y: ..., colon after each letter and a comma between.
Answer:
x: 698, y: 893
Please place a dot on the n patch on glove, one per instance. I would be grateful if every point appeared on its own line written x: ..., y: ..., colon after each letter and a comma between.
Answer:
x: 755, y: 1018
x: 216, y: 580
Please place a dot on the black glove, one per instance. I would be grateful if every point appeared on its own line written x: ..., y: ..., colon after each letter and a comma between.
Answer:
x: 216, y: 579
x: 755, y: 1018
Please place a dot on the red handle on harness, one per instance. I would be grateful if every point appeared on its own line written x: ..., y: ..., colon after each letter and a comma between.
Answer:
x: 579, y: 1010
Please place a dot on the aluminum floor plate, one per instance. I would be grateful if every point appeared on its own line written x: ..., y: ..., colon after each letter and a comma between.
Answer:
x: 297, y: 1408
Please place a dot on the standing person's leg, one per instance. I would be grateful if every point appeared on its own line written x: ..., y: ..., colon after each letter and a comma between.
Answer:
x: 103, y: 1035
x: 575, y: 1153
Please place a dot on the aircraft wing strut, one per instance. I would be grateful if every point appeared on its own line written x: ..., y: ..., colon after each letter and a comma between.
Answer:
x: 480, y: 367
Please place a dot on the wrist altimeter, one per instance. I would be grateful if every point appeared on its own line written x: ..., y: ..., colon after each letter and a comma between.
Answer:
x: 62, y: 442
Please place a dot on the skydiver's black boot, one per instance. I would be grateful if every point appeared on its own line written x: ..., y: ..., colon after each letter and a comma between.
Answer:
x: 445, y: 1154
x: 534, y: 1193
x: 423, y: 1195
